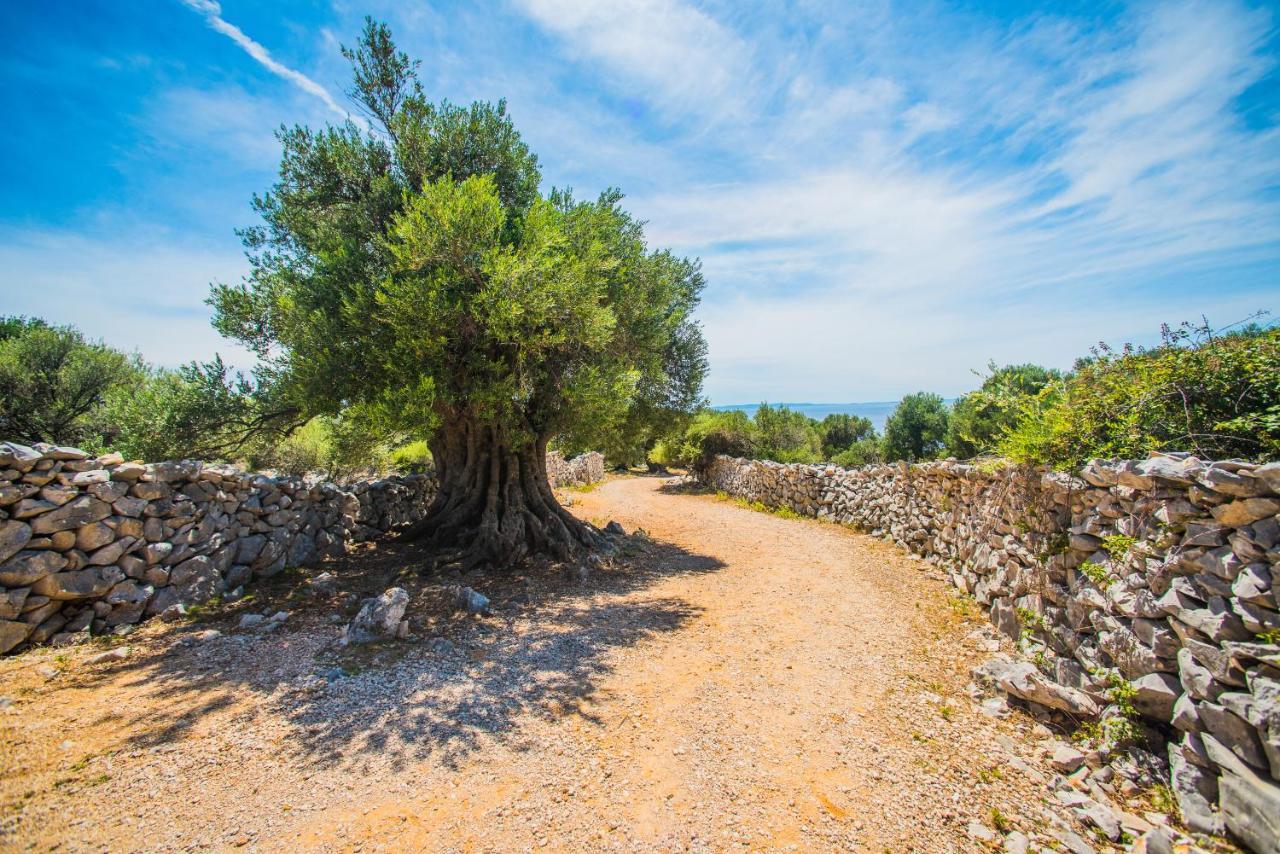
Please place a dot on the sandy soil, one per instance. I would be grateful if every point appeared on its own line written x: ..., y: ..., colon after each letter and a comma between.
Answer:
x: 733, y: 680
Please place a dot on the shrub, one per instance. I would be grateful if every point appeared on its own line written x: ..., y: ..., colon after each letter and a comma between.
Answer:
x: 1215, y: 395
x: 414, y: 457
x: 54, y: 382
x: 861, y: 453
x: 841, y: 432
x: 713, y: 433
x: 981, y: 418
x: 200, y: 410
x: 916, y: 429
x: 786, y: 435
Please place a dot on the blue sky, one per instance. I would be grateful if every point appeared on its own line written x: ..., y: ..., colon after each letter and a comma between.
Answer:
x: 885, y: 195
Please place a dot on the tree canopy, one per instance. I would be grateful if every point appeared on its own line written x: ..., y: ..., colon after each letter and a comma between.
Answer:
x: 981, y: 418
x: 54, y: 382
x: 916, y: 429
x: 413, y: 275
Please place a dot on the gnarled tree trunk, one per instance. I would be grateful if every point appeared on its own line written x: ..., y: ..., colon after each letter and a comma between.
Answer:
x: 494, y: 506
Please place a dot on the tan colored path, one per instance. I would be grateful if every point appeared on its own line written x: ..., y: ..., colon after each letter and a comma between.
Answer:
x: 754, y: 683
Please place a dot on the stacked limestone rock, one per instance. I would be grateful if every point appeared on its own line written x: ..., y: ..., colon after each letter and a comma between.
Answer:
x: 97, y: 544
x: 1166, y: 570
x: 582, y: 469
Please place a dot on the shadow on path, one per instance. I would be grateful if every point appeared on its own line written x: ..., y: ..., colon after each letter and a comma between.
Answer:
x: 462, y: 680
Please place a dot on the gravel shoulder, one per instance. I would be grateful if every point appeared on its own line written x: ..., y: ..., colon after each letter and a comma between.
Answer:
x: 734, y: 679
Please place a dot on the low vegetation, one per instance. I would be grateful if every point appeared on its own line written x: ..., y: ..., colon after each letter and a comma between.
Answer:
x: 1211, y: 393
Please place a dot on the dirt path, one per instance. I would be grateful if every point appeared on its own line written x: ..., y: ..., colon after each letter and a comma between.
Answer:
x: 742, y: 681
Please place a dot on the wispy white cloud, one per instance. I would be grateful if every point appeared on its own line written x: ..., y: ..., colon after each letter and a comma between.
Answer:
x: 139, y: 289
x: 900, y: 187
x: 212, y: 13
x: 663, y: 50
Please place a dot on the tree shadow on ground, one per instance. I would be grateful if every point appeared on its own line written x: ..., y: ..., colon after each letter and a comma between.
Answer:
x: 459, y: 682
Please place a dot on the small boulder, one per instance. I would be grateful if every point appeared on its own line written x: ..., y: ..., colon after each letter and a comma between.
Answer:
x: 379, y: 618
x: 1067, y: 759
x: 471, y: 601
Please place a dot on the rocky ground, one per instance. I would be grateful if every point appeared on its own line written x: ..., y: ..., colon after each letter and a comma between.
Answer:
x: 732, y: 679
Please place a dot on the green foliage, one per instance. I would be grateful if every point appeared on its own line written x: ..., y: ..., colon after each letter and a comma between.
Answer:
x: 776, y: 433
x: 1118, y: 546
x: 786, y: 435
x: 711, y: 433
x: 1097, y: 574
x: 840, y: 432
x: 1030, y: 620
x: 981, y: 418
x: 1269, y: 636
x: 413, y: 457
x: 334, y: 447
x: 200, y: 411
x: 416, y: 275
x: 1201, y: 391
x: 863, y: 452
x: 916, y: 429
x: 54, y: 382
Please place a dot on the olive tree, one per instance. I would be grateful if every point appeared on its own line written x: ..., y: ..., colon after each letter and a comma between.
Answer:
x: 412, y: 273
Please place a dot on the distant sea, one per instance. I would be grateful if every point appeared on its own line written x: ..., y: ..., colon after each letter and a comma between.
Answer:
x: 877, y: 410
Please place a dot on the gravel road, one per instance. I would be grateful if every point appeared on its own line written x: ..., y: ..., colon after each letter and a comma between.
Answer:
x: 734, y: 679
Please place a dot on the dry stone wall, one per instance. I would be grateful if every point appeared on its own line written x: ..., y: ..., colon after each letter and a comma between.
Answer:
x: 579, y: 471
x: 93, y: 545
x: 1165, y: 570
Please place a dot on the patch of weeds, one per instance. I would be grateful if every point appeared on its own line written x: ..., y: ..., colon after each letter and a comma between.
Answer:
x: 196, y: 613
x: 962, y: 606
x: 1118, y: 546
x: 1271, y: 636
x: 1000, y: 821
x: 920, y: 737
x: 98, y: 780
x: 1163, y: 800
x: 1120, y: 731
x: 991, y: 465
x: 1030, y: 620
x: 1097, y: 574
x: 948, y: 712
x: 583, y: 487
x: 1041, y: 660
x: 990, y: 775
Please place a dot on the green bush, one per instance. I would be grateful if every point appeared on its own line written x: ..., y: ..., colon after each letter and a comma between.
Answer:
x: 786, y: 435
x: 840, y: 433
x: 863, y: 452
x: 201, y: 411
x: 54, y: 383
x: 916, y: 429
x: 1211, y: 394
x: 712, y: 433
x: 414, y: 457
x: 776, y: 433
x: 336, y: 448
x: 981, y: 418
